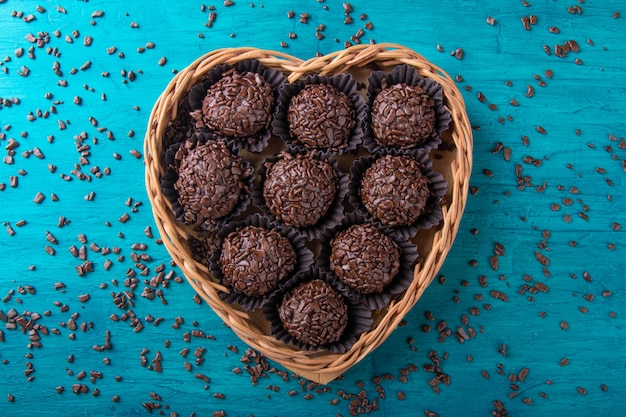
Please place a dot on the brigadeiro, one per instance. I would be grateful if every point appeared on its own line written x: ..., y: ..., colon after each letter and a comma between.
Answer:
x: 364, y: 258
x: 401, y: 191
x: 237, y: 102
x: 321, y: 113
x: 207, y: 182
x: 406, y: 111
x: 302, y: 190
x: 367, y: 259
x: 253, y: 257
x: 313, y: 312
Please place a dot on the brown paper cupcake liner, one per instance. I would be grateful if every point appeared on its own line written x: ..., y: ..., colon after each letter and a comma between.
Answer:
x: 180, y: 128
x: 170, y: 177
x: 399, y: 283
x: 304, y: 257
x: 202, y: 244
x: 406, y: 74
x: 359, y: 316
x: 438, y: 187
x: 255, y: 143
x: 342, y: 82
x: 335, y: 212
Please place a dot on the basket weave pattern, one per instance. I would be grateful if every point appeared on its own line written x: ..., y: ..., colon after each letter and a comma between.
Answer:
x: 318, y: 366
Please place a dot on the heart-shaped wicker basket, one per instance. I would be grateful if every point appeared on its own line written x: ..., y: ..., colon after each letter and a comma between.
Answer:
x: 453, y: 159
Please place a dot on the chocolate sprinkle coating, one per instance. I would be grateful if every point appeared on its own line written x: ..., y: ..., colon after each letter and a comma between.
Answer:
x: 403, y: 116
x: 211, y: 181
x: 394, y: 190
x: 364, y: 258
x: 314, y: 313
x: 299, y: 189
x: 238, y: 105
x: 254, y: 260
x: 321, y: 117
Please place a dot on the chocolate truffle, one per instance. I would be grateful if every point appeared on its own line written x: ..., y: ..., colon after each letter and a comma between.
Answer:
x: 364, y: 258
x: 254, y: 260
x: 211, y: 181
x: 394, y: 190
x: 321, y: 117
x: 299, y: 189
x: 314, y: 313
x: 238, y: 105
x: 403, y: 116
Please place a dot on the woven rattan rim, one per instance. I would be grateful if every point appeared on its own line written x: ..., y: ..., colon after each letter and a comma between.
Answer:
x: 321, y: 367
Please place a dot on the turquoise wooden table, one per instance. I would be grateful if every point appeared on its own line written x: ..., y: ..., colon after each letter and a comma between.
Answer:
x: 85, y: 332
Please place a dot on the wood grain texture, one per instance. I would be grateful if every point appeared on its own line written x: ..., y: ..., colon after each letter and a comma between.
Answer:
x: 582, y: 173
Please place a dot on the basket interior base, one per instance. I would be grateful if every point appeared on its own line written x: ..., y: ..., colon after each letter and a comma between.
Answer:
x: 319, y: 377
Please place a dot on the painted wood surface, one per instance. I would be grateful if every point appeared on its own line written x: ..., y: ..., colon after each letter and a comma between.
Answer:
x: 563, y: 321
